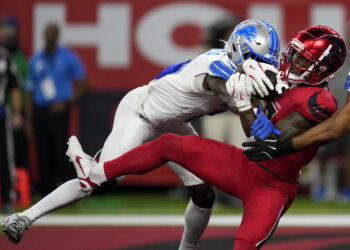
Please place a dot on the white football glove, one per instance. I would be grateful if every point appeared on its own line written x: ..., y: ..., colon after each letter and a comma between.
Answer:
x: 240, y: 87
x: 256, y: 71
x: 281, y: 86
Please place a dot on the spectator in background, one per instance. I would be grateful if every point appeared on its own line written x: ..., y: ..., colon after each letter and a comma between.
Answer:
x: 10, y: 118
x: 9, y: 29
x: 50, y: 95
x: 223, y: 127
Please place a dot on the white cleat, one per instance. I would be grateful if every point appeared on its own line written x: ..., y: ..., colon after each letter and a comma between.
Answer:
x: 14, y: 226
x: 82, y: 163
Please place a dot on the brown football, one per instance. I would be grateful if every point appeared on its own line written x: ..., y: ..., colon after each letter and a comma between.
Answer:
x: 272, y: 93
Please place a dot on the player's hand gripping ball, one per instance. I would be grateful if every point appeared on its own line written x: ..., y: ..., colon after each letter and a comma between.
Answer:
x: 266, y: 79
x: 240, y: 87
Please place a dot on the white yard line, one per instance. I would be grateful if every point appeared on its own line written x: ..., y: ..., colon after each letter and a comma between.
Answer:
x: 177, y: 220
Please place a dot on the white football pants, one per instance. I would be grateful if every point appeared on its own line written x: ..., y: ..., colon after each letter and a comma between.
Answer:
x: 130, y: 130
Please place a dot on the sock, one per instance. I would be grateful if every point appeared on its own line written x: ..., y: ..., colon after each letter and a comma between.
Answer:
x: 97, y: 174
x: 66, y: 194
x: 146, y: 157
x: 196, y: 220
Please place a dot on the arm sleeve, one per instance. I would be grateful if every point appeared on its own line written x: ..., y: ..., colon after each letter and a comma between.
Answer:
x: 319, y: 107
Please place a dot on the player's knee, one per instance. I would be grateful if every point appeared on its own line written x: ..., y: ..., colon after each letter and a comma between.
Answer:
x: 169, y: 138
x: 244, y: 244
x: 202, y: 195
x: 169, y: 143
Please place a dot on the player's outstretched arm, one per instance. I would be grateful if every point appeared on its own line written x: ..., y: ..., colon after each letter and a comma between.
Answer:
x: 218, y: 86
x: 330, y: 130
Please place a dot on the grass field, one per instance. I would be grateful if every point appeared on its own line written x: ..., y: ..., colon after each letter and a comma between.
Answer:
x: 163, y: 203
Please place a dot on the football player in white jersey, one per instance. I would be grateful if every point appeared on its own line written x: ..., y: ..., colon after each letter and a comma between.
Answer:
x: 178, y: 94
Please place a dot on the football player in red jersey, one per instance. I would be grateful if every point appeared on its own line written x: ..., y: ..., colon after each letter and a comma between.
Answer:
x: 266, y: 189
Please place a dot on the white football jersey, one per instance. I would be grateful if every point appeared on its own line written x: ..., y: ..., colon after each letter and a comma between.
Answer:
x: 178, y: 95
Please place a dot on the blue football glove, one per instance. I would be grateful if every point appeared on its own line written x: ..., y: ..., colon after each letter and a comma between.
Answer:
x: 262, y: 126
x: 347, y: 83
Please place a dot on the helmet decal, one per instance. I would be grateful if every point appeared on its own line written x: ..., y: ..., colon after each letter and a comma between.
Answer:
x: 249, y: 32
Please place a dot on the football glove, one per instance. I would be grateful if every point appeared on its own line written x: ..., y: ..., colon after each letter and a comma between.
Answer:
x: 262, y: 126
x: 241, y: 88
x: 256, y: 71
x: 281, y: 86
x: 268, y: 149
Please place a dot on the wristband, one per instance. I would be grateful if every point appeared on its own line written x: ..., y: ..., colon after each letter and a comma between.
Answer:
x: 287, y: 147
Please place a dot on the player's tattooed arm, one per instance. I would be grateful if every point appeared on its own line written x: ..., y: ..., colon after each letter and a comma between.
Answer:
x: 218, y: 86
x: 293, y: 125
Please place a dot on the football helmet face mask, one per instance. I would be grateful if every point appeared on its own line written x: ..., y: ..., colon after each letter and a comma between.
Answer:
x: 253, y: 39
x: 313, y: 56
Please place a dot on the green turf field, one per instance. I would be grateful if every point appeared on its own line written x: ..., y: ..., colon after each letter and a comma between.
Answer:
x: 158, y: 203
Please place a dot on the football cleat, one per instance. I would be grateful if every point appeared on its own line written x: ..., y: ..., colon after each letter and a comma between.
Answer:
x: 14, y: 226
x: 82, y: 163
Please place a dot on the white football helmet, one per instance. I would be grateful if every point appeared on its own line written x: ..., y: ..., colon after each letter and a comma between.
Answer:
x: 253, y: 39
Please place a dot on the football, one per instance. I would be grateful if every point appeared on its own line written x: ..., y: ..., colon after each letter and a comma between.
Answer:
x: 272, y: 93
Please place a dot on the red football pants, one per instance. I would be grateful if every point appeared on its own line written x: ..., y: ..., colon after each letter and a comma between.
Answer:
x: 265, y: 197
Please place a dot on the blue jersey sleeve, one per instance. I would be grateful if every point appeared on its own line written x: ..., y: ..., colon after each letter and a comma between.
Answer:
x: 218, y: 68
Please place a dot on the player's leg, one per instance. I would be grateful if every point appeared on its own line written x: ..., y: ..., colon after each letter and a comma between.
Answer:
x: 68, y: 193
x: 206, y: 158
x: 216, y: 163
x: 202, y: 195
x: 211, y: 160
x: 263, y: 208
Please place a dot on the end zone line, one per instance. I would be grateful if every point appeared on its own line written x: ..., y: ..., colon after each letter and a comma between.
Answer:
x: 178, y: 220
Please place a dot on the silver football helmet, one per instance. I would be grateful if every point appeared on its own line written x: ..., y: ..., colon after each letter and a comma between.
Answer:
x: 253, y: 39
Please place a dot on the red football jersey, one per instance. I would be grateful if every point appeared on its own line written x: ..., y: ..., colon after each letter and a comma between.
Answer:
x: 314, y: 103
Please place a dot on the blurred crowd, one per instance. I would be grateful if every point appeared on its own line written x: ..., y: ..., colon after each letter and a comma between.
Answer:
x: 36, y: 97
